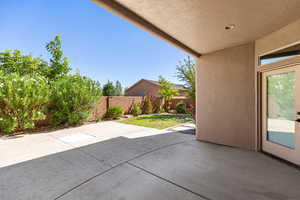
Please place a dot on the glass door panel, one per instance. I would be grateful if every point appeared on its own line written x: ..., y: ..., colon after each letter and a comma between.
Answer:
x: 281, y: 109
x: 281, y: 113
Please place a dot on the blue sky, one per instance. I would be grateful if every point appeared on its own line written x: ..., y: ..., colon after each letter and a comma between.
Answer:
x: 98, y: 43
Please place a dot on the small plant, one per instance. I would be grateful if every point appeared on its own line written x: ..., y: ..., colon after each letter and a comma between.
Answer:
x: 99, y: 118
x: 181, y: 107
x: 148, y: 108
x: 157, y: 105
x: 114, y: 112
x: 160, y: 109
x: 23, y: 100
x: 136, y: 109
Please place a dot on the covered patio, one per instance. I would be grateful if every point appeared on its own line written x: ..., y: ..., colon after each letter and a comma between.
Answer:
x: 227, y: 159
x: 238, y: 46
x: 171, y: 166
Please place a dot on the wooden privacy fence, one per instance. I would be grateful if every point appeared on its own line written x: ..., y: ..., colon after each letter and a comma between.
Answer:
x: 126, y: 103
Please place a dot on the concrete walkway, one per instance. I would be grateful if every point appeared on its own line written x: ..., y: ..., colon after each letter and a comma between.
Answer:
x: 164, y: 166
x: 21, y: 148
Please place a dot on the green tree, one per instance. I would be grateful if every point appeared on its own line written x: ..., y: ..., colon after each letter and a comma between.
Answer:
x: 15, y: 62
x: 281, y: 95
x: 166, y: 92
x: 59, y: 64
x: 118, y: 89
x: 186, y: 72
x: 125, y: 91
x: 109, y: 89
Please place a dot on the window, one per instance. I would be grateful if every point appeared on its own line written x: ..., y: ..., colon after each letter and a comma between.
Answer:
x: 280, y: 54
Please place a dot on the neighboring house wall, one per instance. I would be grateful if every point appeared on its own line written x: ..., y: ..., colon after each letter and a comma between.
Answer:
x: 183, y: 93
x: 143, y: 88
x: 226, y: 97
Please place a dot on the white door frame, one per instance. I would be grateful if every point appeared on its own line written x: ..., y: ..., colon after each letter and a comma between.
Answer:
x: 292, y: 155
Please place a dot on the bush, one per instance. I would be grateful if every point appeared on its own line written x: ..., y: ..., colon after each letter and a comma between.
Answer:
x: 148, y: 108
x: 23, y: 100
x: 114, y: 112
x: 181, y: 107
x: 72, y: 98
x: 136, y: 109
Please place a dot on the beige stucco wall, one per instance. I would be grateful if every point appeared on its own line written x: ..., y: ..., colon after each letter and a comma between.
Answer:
x: 226, y: 97
x: 281, y: 38
x: 284, y: 37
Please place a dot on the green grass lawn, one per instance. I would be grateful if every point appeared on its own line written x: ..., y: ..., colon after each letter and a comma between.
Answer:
x: 158, y: 121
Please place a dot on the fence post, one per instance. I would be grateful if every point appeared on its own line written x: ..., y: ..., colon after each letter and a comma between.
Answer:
x: 107, y: 103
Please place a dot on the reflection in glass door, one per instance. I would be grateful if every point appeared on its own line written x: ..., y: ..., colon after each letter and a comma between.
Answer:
x: 280, y: 110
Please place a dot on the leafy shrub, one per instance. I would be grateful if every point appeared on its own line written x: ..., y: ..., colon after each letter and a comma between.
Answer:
x: 99, y: 118
x: 23, y: 100
x: 114, y: 112
x: 181, y: 107
x: 136, y: 109
x: 72, y: 97
x: 148, y: 108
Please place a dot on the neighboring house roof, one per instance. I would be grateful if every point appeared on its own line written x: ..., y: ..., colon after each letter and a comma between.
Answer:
x: 176, y: 86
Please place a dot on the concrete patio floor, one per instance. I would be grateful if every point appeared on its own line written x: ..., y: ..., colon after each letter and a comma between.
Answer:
x: 164, y: 166
x: 30, y: 146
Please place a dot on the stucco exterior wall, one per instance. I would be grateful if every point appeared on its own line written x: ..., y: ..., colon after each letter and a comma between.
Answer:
x: 226, y: 97
x: 284, y: 37
x: 143, y: 88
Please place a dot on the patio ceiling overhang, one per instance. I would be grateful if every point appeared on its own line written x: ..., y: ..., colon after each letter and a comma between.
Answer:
x: 198, y: 26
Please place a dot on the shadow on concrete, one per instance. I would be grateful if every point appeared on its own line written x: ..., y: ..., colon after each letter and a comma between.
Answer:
x: 166, y: 166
